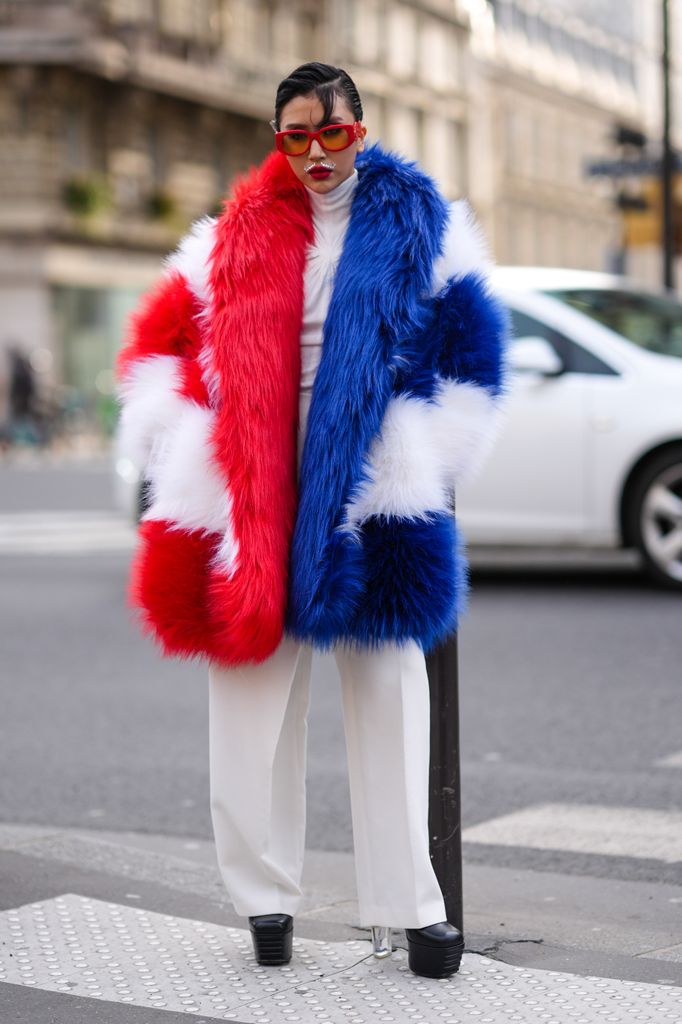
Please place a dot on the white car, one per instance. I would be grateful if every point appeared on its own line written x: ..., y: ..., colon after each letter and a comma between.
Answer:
x: 590, y: 451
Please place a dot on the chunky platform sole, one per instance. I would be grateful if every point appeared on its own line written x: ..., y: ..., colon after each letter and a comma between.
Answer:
x: 272, y: 936
x: 432, y: 958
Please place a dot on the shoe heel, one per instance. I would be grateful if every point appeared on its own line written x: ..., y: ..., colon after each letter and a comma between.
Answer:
x: 381, y: 942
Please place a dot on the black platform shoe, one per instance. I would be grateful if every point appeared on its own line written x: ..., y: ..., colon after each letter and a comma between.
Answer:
x: 272, y: 936
x: 435, y: 951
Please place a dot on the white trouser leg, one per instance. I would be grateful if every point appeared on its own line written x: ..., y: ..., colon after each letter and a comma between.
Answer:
x: 257, y: 753
x: 387, y: 722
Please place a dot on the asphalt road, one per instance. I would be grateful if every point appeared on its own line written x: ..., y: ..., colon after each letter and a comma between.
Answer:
x: 569, y: 687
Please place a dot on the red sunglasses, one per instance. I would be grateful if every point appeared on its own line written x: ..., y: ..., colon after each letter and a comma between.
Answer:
x: 333, y: 137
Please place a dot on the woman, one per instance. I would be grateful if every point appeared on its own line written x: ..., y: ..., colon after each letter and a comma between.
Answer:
x: 315, y: 372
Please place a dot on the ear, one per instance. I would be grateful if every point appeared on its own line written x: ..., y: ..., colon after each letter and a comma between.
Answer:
x: 361, y: 138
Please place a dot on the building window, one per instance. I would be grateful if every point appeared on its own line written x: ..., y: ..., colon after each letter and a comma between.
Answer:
x: 75, y: 140
x: 405, y: 130
x: 402, y: 42
x: 157, y: 155
x: 367, y: 31
x: 263, y: 28
x: 307, y: 30
x: 197, y: 21
x: 130, y: 12
x: 438, y: 54
x: 89, y: 324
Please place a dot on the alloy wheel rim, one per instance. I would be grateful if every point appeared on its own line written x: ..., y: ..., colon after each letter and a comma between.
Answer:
x: 662, y: 522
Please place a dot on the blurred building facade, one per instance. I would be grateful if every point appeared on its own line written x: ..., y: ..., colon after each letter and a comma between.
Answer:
x: 552, y: 86
x: 123, y: 120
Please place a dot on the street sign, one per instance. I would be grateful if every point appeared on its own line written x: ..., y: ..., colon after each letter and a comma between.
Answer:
x: 624, y: 168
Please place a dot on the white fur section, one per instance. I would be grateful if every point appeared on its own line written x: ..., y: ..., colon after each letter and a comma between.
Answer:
x: 192, y: 257
x: 209, y: 375
x: 187, y: 488
x: 466, y: 423
x: 465, y: 247
x: 150, y: 404
x: 423, y: 450
x: 227, y: 556
x: 403, y: 467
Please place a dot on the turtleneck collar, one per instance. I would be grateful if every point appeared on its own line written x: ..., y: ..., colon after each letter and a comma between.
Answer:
x: 335, y: 201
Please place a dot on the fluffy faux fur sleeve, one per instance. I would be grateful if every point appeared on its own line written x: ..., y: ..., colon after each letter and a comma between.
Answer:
x: 157, y: 370
x: 472, y: 329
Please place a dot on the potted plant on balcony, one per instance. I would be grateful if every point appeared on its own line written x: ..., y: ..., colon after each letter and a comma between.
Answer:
x: 162, y: 205
x: 87, y: 195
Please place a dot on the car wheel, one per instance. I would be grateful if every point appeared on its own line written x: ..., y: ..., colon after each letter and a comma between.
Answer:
x: 655, y: 517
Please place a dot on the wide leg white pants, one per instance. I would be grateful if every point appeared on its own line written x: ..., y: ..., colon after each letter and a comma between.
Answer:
x: 258, y: 732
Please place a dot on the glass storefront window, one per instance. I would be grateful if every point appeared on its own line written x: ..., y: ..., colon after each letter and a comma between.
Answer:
x: 90, y: 328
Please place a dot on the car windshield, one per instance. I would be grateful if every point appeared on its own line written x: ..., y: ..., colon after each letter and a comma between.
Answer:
x: 650, y: 321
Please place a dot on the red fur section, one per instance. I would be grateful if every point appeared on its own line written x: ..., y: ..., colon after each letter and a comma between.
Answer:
x: 164, y: 324
x: 192, y: 385
x: 168, y: 587
x: 185, y: 601
x: 256, y: 315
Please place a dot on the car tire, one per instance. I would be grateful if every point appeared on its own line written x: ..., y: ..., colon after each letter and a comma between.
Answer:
x: 654, y: 517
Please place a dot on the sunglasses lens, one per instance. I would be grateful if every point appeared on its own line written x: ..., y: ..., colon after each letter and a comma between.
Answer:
x: 295, y: 143
x: 335, y: 138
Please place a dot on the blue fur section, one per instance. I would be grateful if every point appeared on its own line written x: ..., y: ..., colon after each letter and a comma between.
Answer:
x: 415, y: 585
x: 396, y: 225
x: 473, y: 326
x: 417, y: 581
x: 466, y: 335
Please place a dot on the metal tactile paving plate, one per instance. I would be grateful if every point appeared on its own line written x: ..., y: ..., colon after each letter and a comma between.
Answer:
x: 123, y: 954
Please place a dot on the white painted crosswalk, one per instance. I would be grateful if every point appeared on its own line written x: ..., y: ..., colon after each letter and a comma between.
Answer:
x: 64, y: 533
x: 670, y: 761
x: 586, y: 828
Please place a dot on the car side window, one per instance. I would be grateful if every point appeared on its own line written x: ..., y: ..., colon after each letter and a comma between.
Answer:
x: 652, y: 321
x: 575, y: 358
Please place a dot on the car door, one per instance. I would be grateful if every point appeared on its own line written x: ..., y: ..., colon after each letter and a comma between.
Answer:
x: 533, y: 487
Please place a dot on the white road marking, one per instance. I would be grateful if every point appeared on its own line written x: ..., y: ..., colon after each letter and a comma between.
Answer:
x: 587, y: 828
x: 671, y: 761
x: 64, y: 533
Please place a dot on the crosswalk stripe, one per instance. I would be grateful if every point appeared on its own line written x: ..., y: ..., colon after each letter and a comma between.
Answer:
x: 64, y: 532
x: 671, y: 761
x: 586, y: 828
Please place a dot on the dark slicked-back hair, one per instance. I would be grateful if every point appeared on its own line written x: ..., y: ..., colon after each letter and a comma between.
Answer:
x: 326, y: 81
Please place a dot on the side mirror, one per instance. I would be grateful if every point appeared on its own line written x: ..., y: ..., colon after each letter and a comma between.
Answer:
x: 535, y: 355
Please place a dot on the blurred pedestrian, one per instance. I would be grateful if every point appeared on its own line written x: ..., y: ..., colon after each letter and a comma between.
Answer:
x: 316, y: 371
x: 22, y: 397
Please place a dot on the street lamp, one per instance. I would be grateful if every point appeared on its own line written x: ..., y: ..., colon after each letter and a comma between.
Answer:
x: 668, y: 161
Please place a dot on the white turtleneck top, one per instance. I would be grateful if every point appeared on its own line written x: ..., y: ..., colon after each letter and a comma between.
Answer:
x: 331, y: 213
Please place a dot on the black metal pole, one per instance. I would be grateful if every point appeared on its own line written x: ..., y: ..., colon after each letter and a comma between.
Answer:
x: 667, y: 163
x: 445, y: 818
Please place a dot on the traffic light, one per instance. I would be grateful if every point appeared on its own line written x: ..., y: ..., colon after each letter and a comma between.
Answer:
x: 623, y: 135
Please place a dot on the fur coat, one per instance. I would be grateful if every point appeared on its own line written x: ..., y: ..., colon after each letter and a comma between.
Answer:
x: 362, y: 546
